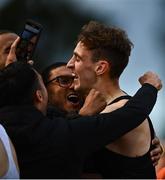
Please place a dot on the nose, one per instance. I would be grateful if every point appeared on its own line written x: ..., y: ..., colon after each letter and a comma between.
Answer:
x: 72, y: 86
x: 70, y: 63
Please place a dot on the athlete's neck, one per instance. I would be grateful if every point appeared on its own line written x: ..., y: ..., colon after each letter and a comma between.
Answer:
x: 110, y: 89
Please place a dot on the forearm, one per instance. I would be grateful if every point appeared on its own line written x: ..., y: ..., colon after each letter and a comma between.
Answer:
x: 144, y: 100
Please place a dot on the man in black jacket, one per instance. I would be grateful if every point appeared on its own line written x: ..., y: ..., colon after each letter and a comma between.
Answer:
x: 57, y: 148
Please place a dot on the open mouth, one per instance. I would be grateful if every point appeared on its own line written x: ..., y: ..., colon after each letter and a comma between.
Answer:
x: 73, y: 98
x: 75, y: 76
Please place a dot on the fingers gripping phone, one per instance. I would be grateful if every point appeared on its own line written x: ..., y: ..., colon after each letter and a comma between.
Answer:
x: 28, y: 42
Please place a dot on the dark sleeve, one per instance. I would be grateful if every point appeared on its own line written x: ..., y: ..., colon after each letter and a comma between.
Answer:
x: 89, y: 133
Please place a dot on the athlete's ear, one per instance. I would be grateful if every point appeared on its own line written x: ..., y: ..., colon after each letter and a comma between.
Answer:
x: 38, y: 96
x: 101, y: 67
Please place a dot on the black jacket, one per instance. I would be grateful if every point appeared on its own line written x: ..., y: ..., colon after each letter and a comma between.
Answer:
x: 57, y: 148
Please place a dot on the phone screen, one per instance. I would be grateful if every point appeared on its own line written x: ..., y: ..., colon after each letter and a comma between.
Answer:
x: 28, y: 42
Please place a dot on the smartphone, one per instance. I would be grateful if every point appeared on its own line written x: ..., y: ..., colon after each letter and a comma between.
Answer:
x: 28, y: 42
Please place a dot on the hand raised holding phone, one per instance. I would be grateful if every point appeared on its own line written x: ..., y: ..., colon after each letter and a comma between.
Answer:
x: 28, y: 40
x: 24, y: 46
x: 12, y: 54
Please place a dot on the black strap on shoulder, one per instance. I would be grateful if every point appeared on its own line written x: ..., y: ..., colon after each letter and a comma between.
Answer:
x: 119, y: 98
x: 151, y: 128
x: 149, y: 120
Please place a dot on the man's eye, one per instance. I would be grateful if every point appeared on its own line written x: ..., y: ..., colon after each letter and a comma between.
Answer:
x: 77, y: 59
x: 65, y: 81
x: 7, y: 51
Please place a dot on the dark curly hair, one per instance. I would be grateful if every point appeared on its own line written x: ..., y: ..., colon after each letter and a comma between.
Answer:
x: 109, y: 43
x: 46, y: 72
x: 18, y: 83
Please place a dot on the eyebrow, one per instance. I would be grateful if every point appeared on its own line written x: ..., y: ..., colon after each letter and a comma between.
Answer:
x: 8, y: 46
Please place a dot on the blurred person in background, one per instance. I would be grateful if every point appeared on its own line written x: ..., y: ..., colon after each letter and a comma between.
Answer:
x: 8, y: 159
x: 160, y: 169
x: 8, y: 164
x: 6, y: 40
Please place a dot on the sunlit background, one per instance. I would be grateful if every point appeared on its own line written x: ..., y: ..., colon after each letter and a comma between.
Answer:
x: 144, y: 21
